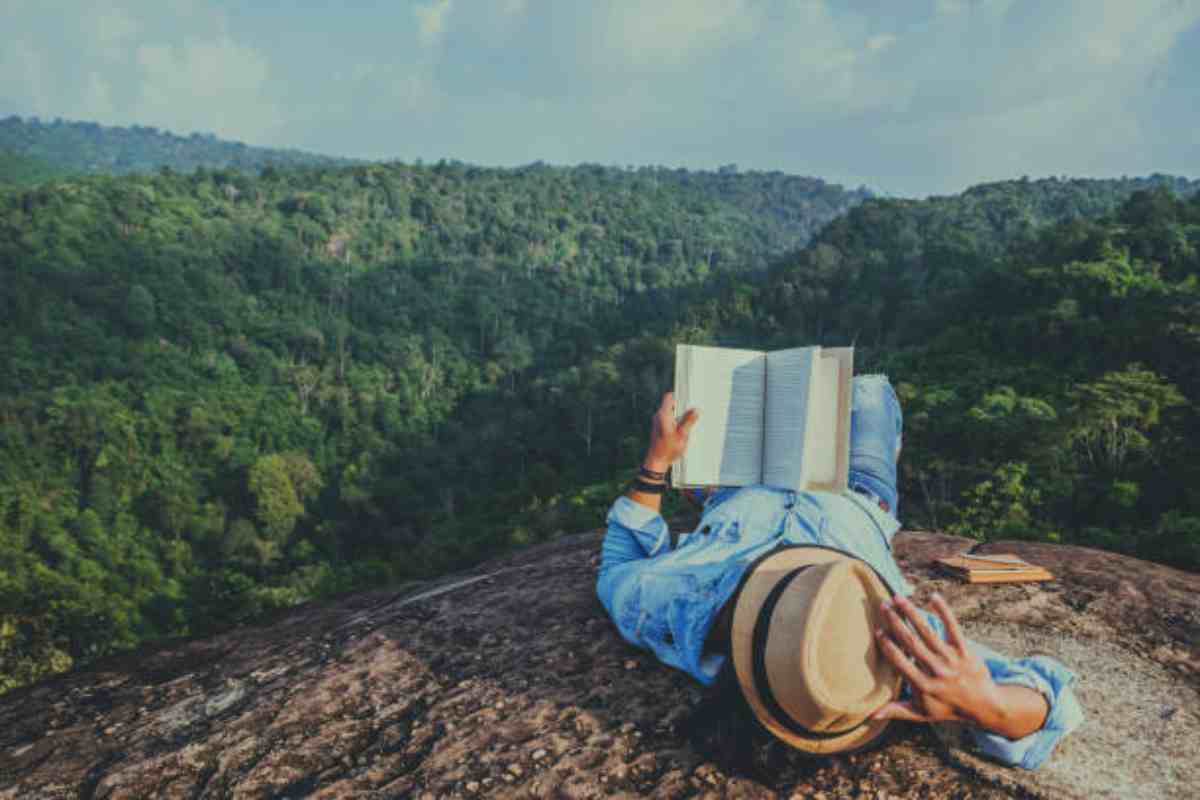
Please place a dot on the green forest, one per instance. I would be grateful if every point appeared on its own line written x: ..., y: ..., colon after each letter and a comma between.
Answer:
x: 228, y: 391
x: 68, y: 147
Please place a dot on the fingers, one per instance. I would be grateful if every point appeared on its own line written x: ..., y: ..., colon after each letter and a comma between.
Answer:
x: 689, y: 420
x: 954, y: 634
x: 667, y: 406
x: 911, y: 672
x: 916, y: 647
x: 899, y: 710
x: 918, y: 621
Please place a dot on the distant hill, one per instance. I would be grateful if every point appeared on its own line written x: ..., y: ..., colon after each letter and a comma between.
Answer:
x: 19, y: 170
x: 881, y: 273
x: 89, y: 148
x: 228, y: 390
x: 789, y: 208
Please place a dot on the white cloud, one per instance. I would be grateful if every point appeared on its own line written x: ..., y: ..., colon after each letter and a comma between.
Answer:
x: 910, y: 97
x: 816, y: 62
x: 431, y: 20
x: 667, y: 33
x: 171, y: 64
x: 23, y: 77
x: 113, y: 27
x: 97, y: 100
x: 408, y: 90
x: 206, y: 85
x: 1060, y: 96
x: 1118, y: 32
x: 881, y: 41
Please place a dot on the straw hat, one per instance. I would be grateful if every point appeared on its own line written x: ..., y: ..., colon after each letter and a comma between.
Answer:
x: 804, y: 649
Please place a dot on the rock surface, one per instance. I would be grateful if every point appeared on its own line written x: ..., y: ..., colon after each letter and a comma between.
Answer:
x: 510, y: 682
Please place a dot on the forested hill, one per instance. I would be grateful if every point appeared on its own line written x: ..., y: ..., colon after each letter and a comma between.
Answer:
x: 883, y: 274
x: 789, y: 207
x: 103, y: 262
x: 19, y: 170
x: 223, y: 393
x: 88, y: 148
x: 1049, y: 381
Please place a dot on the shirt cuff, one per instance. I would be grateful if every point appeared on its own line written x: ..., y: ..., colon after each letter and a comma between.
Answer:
x: 647, y: 524
x: 1053, y: 681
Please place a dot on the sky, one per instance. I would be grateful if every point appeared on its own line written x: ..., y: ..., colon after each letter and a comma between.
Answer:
x: 909, y: 97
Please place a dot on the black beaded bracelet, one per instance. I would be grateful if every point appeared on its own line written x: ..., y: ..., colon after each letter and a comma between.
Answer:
x: 649, y: 488
x: 652, y: 474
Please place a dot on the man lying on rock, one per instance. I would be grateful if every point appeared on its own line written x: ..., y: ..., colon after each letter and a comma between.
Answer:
x: 798, y: 593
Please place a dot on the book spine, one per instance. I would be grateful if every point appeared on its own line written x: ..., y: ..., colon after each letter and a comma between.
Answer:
x: 813, y: 371
x: 766, y: 398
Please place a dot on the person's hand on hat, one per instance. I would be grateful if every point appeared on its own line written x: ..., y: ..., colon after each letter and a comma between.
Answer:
x: 949, y: 682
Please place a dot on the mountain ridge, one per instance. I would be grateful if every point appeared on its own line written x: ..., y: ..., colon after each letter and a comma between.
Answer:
x: 253, y: 310
x: 227, y: 393
x: 91, y: 148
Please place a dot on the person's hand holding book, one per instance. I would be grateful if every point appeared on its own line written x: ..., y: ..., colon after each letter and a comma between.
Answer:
x: 669, y: 435
x: 668, y: 441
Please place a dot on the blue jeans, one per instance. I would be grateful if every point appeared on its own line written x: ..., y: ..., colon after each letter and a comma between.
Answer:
x: 875, y: 433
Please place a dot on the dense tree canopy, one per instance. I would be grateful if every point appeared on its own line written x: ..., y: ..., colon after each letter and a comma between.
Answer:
x: 882, y: 274
x: 1050, y: 385
x: 224, y: 393
x: 18, y: 170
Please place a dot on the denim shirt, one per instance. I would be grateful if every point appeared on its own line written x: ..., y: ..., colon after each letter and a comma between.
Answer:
x: 665, y: 599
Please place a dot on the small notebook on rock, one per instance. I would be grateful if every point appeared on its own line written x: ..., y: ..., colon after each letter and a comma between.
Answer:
x: 992, y: 568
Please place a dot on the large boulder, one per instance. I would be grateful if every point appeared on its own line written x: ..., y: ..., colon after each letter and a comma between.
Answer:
x: 510, y: 681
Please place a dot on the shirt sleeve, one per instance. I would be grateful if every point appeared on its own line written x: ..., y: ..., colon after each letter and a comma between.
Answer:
x: 634, y: 531
x: 1042, y: 674
x: 663, y: 611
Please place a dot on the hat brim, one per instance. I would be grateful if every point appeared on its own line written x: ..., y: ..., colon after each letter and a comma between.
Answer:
x: 760, y: 579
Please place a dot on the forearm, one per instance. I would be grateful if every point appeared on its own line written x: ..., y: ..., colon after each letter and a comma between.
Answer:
x: 1018, y: 710
x: 1015, y: 712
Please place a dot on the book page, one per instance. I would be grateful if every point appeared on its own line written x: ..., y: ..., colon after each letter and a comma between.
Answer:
x: 789, y: 378
x: 827, y: 437
x: 725, y: 447
x: 1001, y: 559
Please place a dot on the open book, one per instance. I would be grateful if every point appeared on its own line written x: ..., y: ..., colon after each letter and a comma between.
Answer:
x: 780, y: 418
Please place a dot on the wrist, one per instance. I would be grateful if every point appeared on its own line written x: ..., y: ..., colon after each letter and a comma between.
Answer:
x: 655, y: 462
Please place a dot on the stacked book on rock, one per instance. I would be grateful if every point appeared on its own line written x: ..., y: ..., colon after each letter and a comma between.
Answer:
x: 992, y: 568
